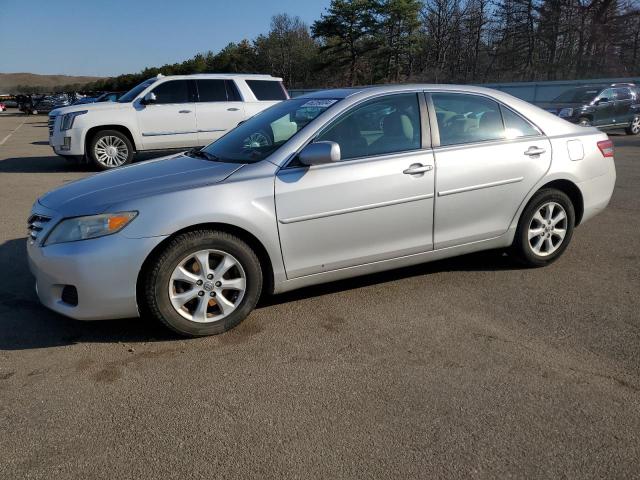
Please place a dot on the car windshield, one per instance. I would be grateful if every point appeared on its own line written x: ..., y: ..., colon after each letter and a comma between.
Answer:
x: 131, y: 95
x: 579, y: 95
x: 263, y: 134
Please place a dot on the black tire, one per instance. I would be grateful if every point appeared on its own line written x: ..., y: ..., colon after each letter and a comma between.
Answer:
x: 522, y: 248
x: 155, y: 281
x: 102, y: 134
x: 634, y: 126
x: 584, y: 121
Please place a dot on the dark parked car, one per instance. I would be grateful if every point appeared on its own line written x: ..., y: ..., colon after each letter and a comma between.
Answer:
x: 602, y: 106
x: 32, y: 104
x: 105, y: 97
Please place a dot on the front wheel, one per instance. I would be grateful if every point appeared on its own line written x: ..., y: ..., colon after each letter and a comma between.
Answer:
x: 109, y: 149
x: 634, y: 126
x: 203, y: 283
x: 545, y: 228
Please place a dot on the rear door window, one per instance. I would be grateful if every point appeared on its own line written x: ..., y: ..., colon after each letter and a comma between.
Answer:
x: 623, y: 94
x: 267, y: 89
x: 212, y: 90
x: 233, y: 95
x: 464, y: 118
x: 515, y: 126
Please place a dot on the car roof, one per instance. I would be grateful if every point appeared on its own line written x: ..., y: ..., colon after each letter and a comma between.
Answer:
x: 243, y: 76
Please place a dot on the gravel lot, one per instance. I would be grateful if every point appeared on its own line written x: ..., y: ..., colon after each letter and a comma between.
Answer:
x: 465, y: 368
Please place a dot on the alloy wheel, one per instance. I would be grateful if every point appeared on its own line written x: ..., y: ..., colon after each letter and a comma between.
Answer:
x: 635, y: 125
x: 547, y: 229
x: 111, y: 151
x: 207, y: 286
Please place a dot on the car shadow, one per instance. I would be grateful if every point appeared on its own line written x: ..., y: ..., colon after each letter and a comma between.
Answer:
x: 26, y: 324
x: 55, y: 163
x: 491, y: 260
x: 46, y: 164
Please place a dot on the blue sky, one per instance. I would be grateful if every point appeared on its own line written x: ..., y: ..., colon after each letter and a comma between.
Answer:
x: 100, y: 37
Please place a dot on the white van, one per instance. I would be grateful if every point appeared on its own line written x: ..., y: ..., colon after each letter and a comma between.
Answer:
x: 179, y: 111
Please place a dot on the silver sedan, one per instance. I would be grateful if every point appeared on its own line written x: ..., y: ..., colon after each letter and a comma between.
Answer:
x: 332, y: 185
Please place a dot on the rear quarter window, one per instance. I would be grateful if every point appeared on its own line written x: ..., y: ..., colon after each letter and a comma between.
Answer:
x: 267, y: 89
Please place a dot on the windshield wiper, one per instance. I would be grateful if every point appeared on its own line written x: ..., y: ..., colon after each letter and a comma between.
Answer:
x: 197, y: 153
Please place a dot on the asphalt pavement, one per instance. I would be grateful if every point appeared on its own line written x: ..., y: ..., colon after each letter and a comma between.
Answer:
x: 466, y: 368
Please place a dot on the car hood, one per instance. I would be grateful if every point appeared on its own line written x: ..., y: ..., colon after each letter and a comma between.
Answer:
x: 91, y: 107
x: 96, y: 193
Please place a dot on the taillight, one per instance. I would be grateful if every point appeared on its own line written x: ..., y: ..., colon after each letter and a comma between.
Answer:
x: 606, y: 148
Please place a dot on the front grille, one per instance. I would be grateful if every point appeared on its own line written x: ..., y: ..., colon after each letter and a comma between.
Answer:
x: 52, y: 122
x: 35, y: 225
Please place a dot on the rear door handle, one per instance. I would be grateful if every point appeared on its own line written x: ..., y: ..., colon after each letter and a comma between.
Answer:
x: 184, y: 111
x: 232, y: 109
x: 417, y: 168
x: 534, y: 151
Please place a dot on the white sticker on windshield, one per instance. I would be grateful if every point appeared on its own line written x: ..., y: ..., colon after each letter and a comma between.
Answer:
x: 323, y: 103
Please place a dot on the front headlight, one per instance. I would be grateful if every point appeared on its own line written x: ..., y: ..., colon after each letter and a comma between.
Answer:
x: 68, y: 118
x: 566, y: 112
x: 92, y: 226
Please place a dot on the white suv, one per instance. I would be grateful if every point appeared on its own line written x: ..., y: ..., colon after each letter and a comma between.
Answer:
x: 161, y: 113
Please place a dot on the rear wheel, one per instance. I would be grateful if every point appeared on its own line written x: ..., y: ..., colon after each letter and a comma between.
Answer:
x: 545, y: 228
x: 634, y: 126
x: 203, y: 283
x: 109, y: 149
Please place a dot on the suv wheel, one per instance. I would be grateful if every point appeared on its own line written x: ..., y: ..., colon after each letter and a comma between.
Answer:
x: 545, y: 228
x: 110, y: 149
x: 584, y: 122
x: 203, y: 283
x: 634, y: 126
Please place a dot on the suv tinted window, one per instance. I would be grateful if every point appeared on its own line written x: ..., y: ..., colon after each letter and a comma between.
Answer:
x: 212, y: 90
x: 385, y: 125
x: 515, y: 126
x: 623, y: 94
x: 173, y: 91
x: 233, y: 95
x: 466, y: 118
x: 267, y: 89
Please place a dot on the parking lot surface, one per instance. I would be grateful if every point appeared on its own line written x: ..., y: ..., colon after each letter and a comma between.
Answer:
x: 465, y: 368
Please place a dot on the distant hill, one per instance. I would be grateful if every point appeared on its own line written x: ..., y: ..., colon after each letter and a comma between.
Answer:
x: 10, y: 82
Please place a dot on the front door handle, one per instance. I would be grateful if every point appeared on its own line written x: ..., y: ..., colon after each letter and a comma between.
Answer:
x: 417, y: 168
x: 534, y: 151
x: 184, y: 111
x: 232, y: 109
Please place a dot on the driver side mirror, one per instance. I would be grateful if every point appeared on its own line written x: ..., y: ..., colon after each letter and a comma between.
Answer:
x: 602, y: 100
x: 319, y: 153
x: 149, y: 98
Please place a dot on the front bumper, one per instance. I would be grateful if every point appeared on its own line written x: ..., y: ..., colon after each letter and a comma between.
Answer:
x: 104, y: 272
x: 67, y: 143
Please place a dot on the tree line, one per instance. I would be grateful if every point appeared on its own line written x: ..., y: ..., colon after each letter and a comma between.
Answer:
x: 357, y: 42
